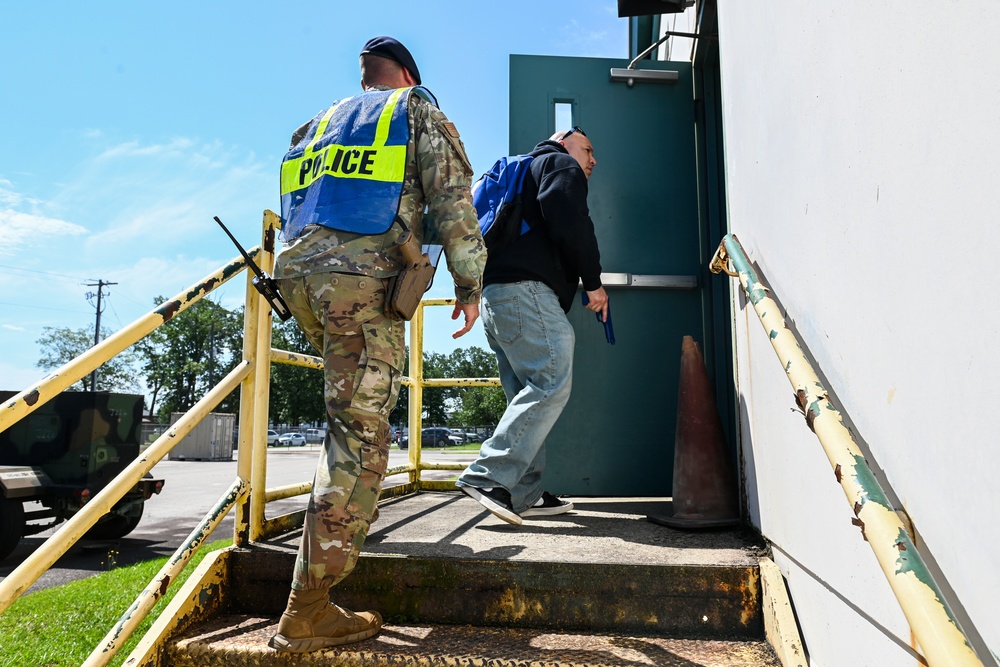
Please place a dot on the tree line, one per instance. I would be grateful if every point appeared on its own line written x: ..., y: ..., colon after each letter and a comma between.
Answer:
x: 182, y: 360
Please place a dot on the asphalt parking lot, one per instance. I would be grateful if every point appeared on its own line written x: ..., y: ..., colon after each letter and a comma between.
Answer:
x: 191, y: 489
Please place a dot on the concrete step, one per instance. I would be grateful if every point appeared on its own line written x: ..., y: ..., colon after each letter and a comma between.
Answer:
x: 598, y: 586
x: 688, y: 601
x: 241, y: 639
x: 439, y: 558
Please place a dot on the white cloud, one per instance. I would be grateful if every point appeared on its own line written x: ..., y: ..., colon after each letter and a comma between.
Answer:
x: 177, y: 147
x: 142, y: 218
x: 11, y: 198
x: 163, y: 196
x: 24, y: 229
x: 8, y: 196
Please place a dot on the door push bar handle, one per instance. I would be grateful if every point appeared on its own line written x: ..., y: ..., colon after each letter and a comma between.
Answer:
x: 648, y: 281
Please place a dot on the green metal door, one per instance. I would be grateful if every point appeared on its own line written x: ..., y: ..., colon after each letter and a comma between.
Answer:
x: 616, y: 435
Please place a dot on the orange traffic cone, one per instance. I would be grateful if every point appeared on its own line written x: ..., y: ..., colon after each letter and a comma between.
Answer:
x: 704, y: 483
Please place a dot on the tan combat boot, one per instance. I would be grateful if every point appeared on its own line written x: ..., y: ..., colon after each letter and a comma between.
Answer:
x: 311, y: 622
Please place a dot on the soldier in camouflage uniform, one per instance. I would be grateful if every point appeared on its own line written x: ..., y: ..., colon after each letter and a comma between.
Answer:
x: 335, y: 284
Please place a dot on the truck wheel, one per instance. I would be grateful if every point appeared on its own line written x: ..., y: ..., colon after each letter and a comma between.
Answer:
x: 11, y: 525
x: 112, y: 526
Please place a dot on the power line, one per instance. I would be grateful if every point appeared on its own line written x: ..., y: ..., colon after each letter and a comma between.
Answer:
x: 121, y: 294
x: 47, y: 273
x: 75, y: 279
x: 117, y: 318
x: 23, y: 305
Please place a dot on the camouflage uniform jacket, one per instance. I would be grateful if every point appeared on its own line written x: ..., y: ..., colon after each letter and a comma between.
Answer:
x: 438, y: 175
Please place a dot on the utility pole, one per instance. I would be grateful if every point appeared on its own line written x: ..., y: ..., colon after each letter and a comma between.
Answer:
x: 100, y: 285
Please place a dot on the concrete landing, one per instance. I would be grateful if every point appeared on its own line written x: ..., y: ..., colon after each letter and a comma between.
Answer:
x: 599, y: 530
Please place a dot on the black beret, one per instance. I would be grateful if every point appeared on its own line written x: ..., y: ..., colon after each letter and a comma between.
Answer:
x: 388, y: 47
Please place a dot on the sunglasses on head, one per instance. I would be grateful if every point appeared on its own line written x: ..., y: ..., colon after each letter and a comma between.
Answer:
x: 576, y: 128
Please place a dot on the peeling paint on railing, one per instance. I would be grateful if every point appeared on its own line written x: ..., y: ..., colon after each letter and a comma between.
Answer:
x: 140, y: 608
x: 925, y: 608
x: 65, y: 376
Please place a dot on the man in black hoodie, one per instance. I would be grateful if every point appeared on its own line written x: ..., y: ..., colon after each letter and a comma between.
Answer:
x: 529, y: 286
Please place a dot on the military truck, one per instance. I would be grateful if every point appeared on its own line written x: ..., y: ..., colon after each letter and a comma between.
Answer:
x: 61, y: 455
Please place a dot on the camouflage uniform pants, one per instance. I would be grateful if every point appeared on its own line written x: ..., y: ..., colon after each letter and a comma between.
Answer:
x: 363, y: 350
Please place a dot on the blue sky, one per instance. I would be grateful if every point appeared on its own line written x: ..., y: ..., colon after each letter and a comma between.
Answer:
x: 125, y: 126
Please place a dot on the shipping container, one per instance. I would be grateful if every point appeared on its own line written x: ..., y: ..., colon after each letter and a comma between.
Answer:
x: 211, y: 440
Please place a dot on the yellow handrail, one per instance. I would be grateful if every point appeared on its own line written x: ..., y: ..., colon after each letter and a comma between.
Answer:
x: 252, y: 375
x: 929, y: 616
x: 288, y: 491
x: 416, y: 383
x: 416, y: 398
x: 133, y: 616
x: 26, y: 402
x: 243, y: 374
x: 39, y: 561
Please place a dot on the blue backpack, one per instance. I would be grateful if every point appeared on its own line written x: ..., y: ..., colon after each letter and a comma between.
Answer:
x: 497, y: 198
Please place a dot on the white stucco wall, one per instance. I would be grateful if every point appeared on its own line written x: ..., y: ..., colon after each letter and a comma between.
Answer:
x: 677, y: 48
x: 863, y: 178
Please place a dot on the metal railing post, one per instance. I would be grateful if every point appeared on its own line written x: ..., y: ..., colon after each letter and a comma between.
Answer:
x: 262, y: 383
x: 416, y: 402
x: 244, y: 455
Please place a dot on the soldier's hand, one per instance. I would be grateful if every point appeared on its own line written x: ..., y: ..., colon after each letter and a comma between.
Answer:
x: 598, y: 303
x: 471, y: 311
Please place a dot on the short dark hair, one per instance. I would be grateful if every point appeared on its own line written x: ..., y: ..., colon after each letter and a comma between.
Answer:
x: 376, y: 69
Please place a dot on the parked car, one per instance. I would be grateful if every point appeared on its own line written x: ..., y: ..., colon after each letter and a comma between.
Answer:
x: 435, y: 436
x: 472, y: 436
x: 272, y: 438
x: 315, y: 435
x: 292, y: 440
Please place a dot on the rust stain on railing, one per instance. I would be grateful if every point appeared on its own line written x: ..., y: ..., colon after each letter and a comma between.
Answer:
x: 925, y: 608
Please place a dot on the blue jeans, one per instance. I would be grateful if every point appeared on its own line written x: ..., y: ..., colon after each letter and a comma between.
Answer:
x: 533, y: 341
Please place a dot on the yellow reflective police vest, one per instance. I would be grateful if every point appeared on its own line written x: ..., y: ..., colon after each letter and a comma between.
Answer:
x: 347, y: 172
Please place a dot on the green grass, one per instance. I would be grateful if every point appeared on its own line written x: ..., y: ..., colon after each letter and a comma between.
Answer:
x: 468, y: 447
x: 62, y: 625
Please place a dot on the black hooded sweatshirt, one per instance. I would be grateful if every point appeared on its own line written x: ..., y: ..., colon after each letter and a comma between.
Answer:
x: 560, y: 249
